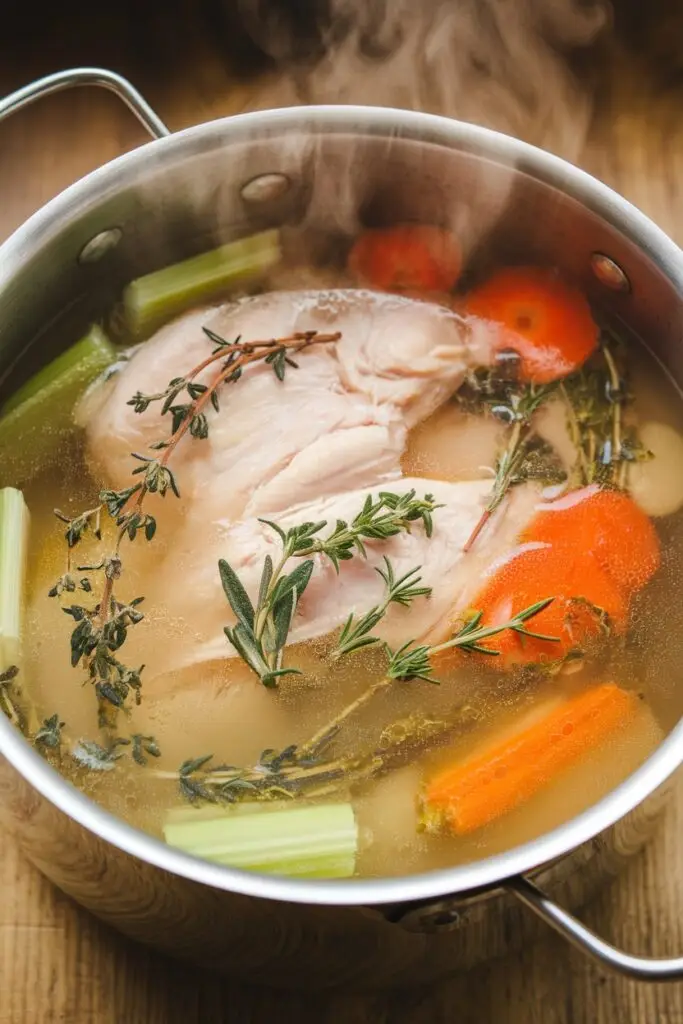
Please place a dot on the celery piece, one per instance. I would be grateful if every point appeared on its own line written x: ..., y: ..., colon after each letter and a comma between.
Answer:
x: 150, y: 300
x: 299, y: 840
x: 37, y: 418
x: 14, y: 524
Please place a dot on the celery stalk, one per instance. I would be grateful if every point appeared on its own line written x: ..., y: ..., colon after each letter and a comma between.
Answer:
x: 14, y: 524
x: 302, y: 841
x: 37, y: 418
x: 150, y: 300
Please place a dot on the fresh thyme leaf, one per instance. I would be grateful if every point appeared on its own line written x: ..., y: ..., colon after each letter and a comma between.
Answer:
x: 242, y: 639
x: 297, y: 580
x: 278, y: 360
x: 237, y: 596
x: 282, y: 615
x: 143, y: 746
x: 50, y: 733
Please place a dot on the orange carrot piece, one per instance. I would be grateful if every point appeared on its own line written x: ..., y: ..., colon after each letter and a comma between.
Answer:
x: 580, y: 590
x: 546, y: 321
x: 406, y: 258
x: 494, y: 781
x: 609, y: 525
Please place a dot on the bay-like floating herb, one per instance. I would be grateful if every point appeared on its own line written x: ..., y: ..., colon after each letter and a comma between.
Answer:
x: 261, y: 632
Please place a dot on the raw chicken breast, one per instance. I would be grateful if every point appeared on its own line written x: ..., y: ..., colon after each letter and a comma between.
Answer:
x: 190, y: 609
x: 337, y: 423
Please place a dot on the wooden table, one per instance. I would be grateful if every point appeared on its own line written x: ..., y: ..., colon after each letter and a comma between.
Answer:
x: 58, y: 964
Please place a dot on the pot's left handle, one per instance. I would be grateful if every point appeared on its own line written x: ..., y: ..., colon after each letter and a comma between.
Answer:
x: 638, y: 967
x: 87, y: 76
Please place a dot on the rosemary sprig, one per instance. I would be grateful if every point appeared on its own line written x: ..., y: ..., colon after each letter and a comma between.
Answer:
x: 413, y: 662
x: 301, y: 770
x: 101, y: 630
x: 356, y: 633
x: 261, y: 632
x: 524, y: 457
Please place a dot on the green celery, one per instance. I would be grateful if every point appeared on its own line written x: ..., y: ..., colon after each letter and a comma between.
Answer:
x: 302, y: 841
x: 40, y: 415
x: 150, y: 300
x: 14, y: 525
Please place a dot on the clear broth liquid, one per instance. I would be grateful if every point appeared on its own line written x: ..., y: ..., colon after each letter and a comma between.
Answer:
x: 229, y: 713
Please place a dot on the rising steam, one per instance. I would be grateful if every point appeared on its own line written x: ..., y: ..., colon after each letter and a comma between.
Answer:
x: 506, y: 64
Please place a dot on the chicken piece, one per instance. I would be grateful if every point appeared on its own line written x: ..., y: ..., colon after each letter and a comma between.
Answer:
x: 337, y: 423
x: 190, y: 609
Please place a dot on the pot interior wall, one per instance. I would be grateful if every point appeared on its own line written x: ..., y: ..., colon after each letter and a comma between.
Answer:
x: 169, y: 209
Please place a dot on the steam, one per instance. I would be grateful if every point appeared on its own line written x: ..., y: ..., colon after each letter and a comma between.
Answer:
x: 509, y: 65
x: 505, y: 64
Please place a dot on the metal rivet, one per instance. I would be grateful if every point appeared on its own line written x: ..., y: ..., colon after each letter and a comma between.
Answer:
x: 99, y: 245
x: 265, y: 188
x: 609, y: 273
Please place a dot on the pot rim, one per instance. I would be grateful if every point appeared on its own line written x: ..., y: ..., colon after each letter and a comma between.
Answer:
x: 88, y: 193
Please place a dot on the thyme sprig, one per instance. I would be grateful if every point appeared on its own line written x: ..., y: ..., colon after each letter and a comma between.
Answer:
x: 596, y: 400
x: 302, y: 769
x: 515, y: 405
x: 261, y: 632
x: 357, y: 633
x: 101, y: 630
x: 412, y: 662
x: 287, y: 775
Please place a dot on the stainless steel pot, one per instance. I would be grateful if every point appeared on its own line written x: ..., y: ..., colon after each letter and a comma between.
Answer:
x: 332, y: 165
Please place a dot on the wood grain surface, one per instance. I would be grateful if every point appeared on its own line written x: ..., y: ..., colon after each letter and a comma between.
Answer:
x: 59, y: 965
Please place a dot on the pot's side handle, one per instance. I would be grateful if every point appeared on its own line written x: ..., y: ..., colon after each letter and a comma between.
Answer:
x: 637, y: 967
x: 87, y: 76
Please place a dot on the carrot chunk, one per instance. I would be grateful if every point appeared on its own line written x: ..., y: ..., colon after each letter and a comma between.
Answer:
x: 586, y: 603
x: 546, y: 321
x: 504, y: 774
x: 408, y: 257
x: 609, y: 525
x: 582, y: 593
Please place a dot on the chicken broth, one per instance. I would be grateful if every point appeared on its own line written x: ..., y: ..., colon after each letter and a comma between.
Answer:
x: 406, y: 607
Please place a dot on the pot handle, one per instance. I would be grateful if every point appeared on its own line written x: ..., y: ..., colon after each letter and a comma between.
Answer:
x: 87, y: 76
x: 637, y: 967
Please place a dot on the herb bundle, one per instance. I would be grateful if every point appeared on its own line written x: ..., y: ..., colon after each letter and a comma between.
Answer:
x: 261, y: 632
x: 102, y: 629
x: 596, y: 399
x: 301, y: 769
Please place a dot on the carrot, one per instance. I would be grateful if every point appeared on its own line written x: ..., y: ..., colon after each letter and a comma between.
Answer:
x: 408, y: 257
x: 586, y: 603
x: 546, y: 321
x: 502, y: 775
x: 608, y: 524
